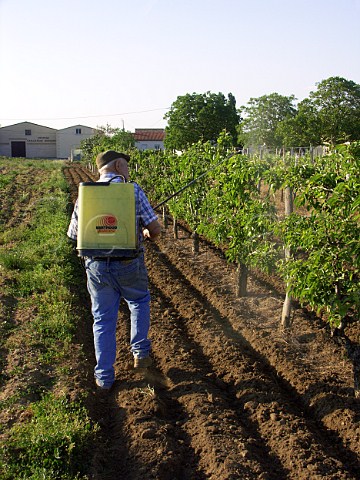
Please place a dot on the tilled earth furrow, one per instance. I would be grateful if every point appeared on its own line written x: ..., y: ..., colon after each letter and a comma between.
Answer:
x: 227, y: 448
x: 323, y: 392
x: 145, y: 425
x: 16, y: 200
x: 254, y: 388
x: 75, y: 175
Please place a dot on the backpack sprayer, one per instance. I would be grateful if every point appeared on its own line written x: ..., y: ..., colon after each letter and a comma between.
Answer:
x: 107, y: 219
x: 196, y: 179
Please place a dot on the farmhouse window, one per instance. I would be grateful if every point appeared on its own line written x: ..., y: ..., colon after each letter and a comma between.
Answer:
x: 78, y: 131
x: 27, y: 132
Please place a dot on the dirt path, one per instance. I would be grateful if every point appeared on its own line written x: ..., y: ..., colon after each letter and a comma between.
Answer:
x: 229, y: 396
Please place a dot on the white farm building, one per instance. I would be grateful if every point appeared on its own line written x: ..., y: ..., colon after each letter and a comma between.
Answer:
x: 30, y: 140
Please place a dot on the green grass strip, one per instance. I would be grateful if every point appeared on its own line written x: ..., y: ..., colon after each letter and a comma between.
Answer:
x: 39, y: 268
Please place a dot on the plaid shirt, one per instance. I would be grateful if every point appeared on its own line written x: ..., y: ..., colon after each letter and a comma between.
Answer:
x: 144, y: 211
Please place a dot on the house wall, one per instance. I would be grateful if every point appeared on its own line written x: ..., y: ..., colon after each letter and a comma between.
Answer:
x: 150, y: 144
x: 30, y: 139
x: 68, y: 139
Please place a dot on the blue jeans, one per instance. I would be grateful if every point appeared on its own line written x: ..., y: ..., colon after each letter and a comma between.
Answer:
x: 107, y: 283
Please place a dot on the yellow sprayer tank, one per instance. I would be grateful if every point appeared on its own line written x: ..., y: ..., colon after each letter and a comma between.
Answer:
x: 107, y: 219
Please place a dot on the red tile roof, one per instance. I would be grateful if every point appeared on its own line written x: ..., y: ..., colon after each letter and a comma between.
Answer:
x: 149, y: 134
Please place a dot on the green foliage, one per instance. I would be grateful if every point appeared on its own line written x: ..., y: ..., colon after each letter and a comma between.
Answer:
x: 337, y: 103
x: 6, y: 179
x: 262, y: 117
x: 325, y: 269
x: 148, y: 168
x: 302, y: 129
x: 197, y: 118
x: 107, y: 138
x: 227, y: 206
x: 241, y: 219
x: 90, y: 146
x: 49, y: 446
x: 330, y: 115
x: 190, y: 165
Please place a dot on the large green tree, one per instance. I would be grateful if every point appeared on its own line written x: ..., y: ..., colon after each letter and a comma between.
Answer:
x: 337, y: 102
x: 200, y: 117
x: 331, y: 114
x: 302, y: 130
x: 261, y: 119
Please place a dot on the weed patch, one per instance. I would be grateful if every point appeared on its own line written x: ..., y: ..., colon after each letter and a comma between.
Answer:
x: 51, y: 444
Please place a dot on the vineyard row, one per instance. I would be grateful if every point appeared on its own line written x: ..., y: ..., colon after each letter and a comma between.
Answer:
x: 239, y: 206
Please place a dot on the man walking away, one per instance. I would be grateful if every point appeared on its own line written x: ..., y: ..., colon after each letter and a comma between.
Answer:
x: 109, y: 279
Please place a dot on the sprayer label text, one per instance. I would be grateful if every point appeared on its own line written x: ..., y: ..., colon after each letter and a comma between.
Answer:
x: 107, y: 224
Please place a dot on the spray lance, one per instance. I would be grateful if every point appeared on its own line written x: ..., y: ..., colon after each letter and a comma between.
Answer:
x: 196, y: 179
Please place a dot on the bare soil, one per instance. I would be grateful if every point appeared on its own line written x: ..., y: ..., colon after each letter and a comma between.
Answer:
x: 230, y: 396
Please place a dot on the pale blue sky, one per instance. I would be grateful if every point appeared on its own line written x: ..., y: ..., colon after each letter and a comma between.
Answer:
x: 124, y: 62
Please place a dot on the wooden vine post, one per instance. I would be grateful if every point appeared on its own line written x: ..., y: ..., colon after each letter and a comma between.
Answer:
x: 286, y: 311
x: 242, y: 278
x: 175, y: 228
x: 289, y: 207
x: 195, y: 247
x: 164, y: 217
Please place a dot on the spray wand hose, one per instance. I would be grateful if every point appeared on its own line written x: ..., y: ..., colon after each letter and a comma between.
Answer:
x: 195, y: 180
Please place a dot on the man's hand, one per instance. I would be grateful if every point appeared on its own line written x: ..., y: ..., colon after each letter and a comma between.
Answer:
x: 152, y: 230
x: 146, y: 233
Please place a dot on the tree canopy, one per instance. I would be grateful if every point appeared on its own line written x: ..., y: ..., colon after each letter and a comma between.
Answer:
x: 200, y: 117
x: 261, y: 118
x: 330, y: 114
x: 335, y: 108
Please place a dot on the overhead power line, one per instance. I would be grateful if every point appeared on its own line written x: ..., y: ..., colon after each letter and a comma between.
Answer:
x: 91, y: 116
